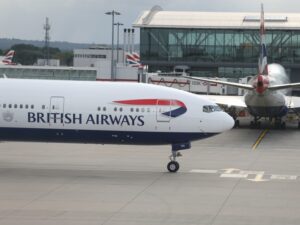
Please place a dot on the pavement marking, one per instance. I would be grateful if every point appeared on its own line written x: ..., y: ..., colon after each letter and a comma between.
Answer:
x: 283, y: 177
x: 204, y: 171
x: 230, y: 170
x: 251, y: 172
x: 249, y: 175
x: 259, y: 139
x: 258, y: 178
x: 233, y: 175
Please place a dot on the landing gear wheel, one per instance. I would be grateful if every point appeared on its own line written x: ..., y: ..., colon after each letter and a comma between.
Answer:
x: 236, y: 123
x: 279, y: 124
x: 255, y: 124
x: 173, y: 166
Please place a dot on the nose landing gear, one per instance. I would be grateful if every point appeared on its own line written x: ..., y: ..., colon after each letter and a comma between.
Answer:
x: 173, y: 165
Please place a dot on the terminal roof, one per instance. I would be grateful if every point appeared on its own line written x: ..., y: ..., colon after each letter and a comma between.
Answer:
x: 158, y: 18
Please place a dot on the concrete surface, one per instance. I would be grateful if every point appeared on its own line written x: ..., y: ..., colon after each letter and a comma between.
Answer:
x: 221, y: 181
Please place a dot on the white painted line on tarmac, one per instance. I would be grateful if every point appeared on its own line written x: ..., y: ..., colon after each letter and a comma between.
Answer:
x: 232, y: 175
x: 204, y: 171
x: 283, y: 177
x: 251, y: 172
x: 250, y: 175
x: 258, y: 178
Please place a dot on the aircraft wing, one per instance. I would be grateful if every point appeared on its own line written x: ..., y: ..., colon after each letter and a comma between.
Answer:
x: 284, y: 86
x: 243, y: 86
x: 236, y: 101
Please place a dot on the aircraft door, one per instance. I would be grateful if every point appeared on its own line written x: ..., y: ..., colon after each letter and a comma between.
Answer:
x: 163, y: 108
x: 56, y: 111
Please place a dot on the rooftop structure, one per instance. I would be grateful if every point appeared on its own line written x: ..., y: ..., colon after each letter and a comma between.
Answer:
x: 157, y: 18
x: 218, y: 44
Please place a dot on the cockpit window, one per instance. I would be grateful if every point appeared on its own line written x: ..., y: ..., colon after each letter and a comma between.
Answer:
x: 211, y: 108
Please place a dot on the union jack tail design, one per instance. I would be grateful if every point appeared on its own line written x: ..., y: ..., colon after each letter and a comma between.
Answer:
x: 133, y: 60
x: 262, y: 63
x: 9, y: 57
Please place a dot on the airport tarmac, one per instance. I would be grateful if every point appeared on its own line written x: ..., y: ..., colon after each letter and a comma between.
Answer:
x: 222, y: 180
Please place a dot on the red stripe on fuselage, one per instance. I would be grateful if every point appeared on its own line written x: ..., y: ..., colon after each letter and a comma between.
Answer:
x: 161, y: 102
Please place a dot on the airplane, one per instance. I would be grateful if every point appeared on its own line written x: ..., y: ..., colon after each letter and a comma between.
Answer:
x: 7, y: 59
x: 107, y: 113
x: 265, y: 95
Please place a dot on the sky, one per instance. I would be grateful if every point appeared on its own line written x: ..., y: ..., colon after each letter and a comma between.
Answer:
x: 84, y: 21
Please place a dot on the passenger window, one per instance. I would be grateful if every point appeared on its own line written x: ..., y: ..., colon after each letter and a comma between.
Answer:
x: 115, y: 109
x: 26, y: 106
x: 43, y: 106
x: 99, y: 109
x: 131, y: 109
x: 9, y: 106
x: 137, y: 110
x: 4, y: 105
x: 15, y: 106
x: 32, y: 106
x: 143, y: 110
x: 21, y: 106
x: 104, y: 109
x: 121, y: 109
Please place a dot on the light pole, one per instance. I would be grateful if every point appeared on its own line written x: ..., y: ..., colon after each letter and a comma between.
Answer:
x: 118, y: 26
x: 112, y: 13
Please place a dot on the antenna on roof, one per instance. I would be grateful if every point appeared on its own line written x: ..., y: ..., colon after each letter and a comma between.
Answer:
x: 47, y: 28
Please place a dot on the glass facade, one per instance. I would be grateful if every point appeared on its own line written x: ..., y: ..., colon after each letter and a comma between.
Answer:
x: 216, y: 50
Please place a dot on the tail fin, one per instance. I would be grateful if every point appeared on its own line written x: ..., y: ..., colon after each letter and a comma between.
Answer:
x: 133, y: 59
x: 9, y: 57
x: 262, y: 63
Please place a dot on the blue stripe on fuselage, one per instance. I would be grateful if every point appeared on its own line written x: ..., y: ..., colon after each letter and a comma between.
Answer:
x: 176, y: 112
x: 96, y: 136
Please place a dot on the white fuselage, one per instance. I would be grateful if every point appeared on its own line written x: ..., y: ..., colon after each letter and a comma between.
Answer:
x: 104, y: 112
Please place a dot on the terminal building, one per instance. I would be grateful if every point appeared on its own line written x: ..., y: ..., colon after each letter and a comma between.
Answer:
x: 217, y: 44
x: 48, y: 72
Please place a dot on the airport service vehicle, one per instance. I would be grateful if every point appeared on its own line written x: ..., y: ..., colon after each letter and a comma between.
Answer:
x: 107, y: 112
x: 7, y: 59
x: 266, y: 92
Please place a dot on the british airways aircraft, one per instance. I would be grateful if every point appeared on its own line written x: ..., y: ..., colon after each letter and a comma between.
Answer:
x: 107, y: 112
x: 266, y: 92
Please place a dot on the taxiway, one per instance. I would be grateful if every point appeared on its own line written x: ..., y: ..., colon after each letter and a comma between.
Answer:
x: 222, y: 180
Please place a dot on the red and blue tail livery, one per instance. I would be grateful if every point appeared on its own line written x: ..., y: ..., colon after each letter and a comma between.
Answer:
x: 171, y: 103
x: 8, y: 58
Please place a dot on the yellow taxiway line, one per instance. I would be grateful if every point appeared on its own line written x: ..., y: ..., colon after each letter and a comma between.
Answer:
x: 259, y: 139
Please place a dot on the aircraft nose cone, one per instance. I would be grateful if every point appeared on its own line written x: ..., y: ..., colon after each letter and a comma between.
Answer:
x: 227, y: 123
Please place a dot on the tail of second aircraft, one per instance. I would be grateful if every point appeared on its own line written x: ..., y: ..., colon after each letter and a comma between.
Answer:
x: 262, y: 62
x: 8, y: 57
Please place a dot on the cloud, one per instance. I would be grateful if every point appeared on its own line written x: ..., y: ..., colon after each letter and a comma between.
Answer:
x: 85, y: 20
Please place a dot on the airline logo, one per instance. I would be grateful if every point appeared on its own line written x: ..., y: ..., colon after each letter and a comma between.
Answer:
x: 177, y: 108
x: 171, y: 108
x: 9, y: 57
x: 263, y: 63
x: 133, y: 59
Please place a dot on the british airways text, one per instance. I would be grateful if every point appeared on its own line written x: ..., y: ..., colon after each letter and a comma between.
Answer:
x: 95, y: 119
